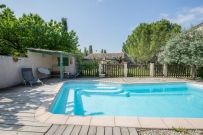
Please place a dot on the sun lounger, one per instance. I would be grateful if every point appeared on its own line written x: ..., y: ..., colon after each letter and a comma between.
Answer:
x: 28, y: 77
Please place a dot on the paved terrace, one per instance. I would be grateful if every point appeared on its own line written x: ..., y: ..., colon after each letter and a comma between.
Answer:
x: 18, y: 107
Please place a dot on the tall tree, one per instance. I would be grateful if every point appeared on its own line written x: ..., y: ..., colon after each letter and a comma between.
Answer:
x: 90, y: 49
x: 64, y: 23
x: 146, y: 40
x: 86, y: 51
x: 102, y: 50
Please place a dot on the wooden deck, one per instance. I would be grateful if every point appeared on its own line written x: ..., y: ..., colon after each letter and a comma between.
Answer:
x: 89, y: 130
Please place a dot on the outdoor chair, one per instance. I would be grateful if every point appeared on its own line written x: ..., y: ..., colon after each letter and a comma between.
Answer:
x: 73, y: 75
x: 28, y: 77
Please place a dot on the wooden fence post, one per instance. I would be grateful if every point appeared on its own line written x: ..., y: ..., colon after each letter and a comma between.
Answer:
x: 165, y: 70
x: 100, y: 68
x: 125, y: 69
x: 152, y: 70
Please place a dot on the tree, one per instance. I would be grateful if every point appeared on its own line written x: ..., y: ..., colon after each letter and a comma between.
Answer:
x: 102, y: 50
x: 85, y: 51
x: 90, y: 49
x: 9, y: 41
x: 146, y: 40
x: 65, y: 24
x: 185, y: 48
x: 2, y: 6
x: 30, y: 30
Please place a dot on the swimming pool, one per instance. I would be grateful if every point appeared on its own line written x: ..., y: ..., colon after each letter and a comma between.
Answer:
x: 143, y: 100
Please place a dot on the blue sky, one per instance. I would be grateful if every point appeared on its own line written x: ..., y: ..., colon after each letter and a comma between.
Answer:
x: 107, y: 23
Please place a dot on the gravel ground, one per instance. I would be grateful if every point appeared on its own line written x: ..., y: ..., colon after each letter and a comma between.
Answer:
x: 169, y: 132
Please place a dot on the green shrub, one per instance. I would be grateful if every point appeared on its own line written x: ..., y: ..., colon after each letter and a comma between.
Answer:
x: 88, y: 64
x: 200, y: 72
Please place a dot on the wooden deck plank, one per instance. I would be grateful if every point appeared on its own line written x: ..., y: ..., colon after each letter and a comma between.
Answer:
x: 100, y: 131
x: 116, y: 131
x: 132, y: 131
x: 92, y: 130
x: 52, y: 130
x: 60, y: 130
x: 84, y: 130
x: 108, y: 131
x: 76, y: 130
x: 68, y: 130
x: 124, y: 131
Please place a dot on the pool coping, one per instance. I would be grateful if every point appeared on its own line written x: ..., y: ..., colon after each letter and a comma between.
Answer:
x: 43, y: 115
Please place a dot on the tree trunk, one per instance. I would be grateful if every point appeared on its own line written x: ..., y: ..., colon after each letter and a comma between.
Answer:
x: 193, y: 71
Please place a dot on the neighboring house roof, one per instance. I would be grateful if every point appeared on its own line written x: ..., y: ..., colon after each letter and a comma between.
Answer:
x: 108, y: 56
x: 199, y: 26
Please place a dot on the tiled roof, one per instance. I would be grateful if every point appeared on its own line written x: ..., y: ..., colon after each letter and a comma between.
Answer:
x: 198, y: 26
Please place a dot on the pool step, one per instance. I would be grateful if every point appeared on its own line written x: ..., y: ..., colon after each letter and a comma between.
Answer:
x: 96, y: 91
x: 70, y: 102
x: 159, y: 94
x: 119, y: 92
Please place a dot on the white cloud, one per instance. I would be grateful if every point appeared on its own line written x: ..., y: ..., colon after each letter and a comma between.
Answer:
x: 182, y: 18
x: 197, y: 10
x: 186, y: 17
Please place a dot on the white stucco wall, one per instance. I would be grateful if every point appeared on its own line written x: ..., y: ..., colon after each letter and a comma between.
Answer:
x: 72, y: 66
x: 10, y: 71
x: 41, y: 60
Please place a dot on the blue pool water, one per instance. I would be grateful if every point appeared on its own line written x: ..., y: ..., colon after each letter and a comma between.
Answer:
x: 147, y: 100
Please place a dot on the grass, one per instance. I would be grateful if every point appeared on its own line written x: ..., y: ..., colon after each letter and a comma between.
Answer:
x: 181, y: 130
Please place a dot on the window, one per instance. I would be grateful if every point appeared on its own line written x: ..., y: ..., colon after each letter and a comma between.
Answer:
x: 65, y: 61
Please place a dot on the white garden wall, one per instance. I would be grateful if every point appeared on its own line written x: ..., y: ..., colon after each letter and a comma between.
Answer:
x: 10, y: 71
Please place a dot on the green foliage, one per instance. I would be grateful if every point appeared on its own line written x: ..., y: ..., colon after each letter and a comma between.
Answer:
x: 200, y: 72
x: 90, y: 49
x: 103, y: 51
x: 89, y: 64
x: 86, y: 51
x: 181, y: 130
x: 30, y: 30
x: 65, y: 24
x: 145, y: 42
x: 185, y: 48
